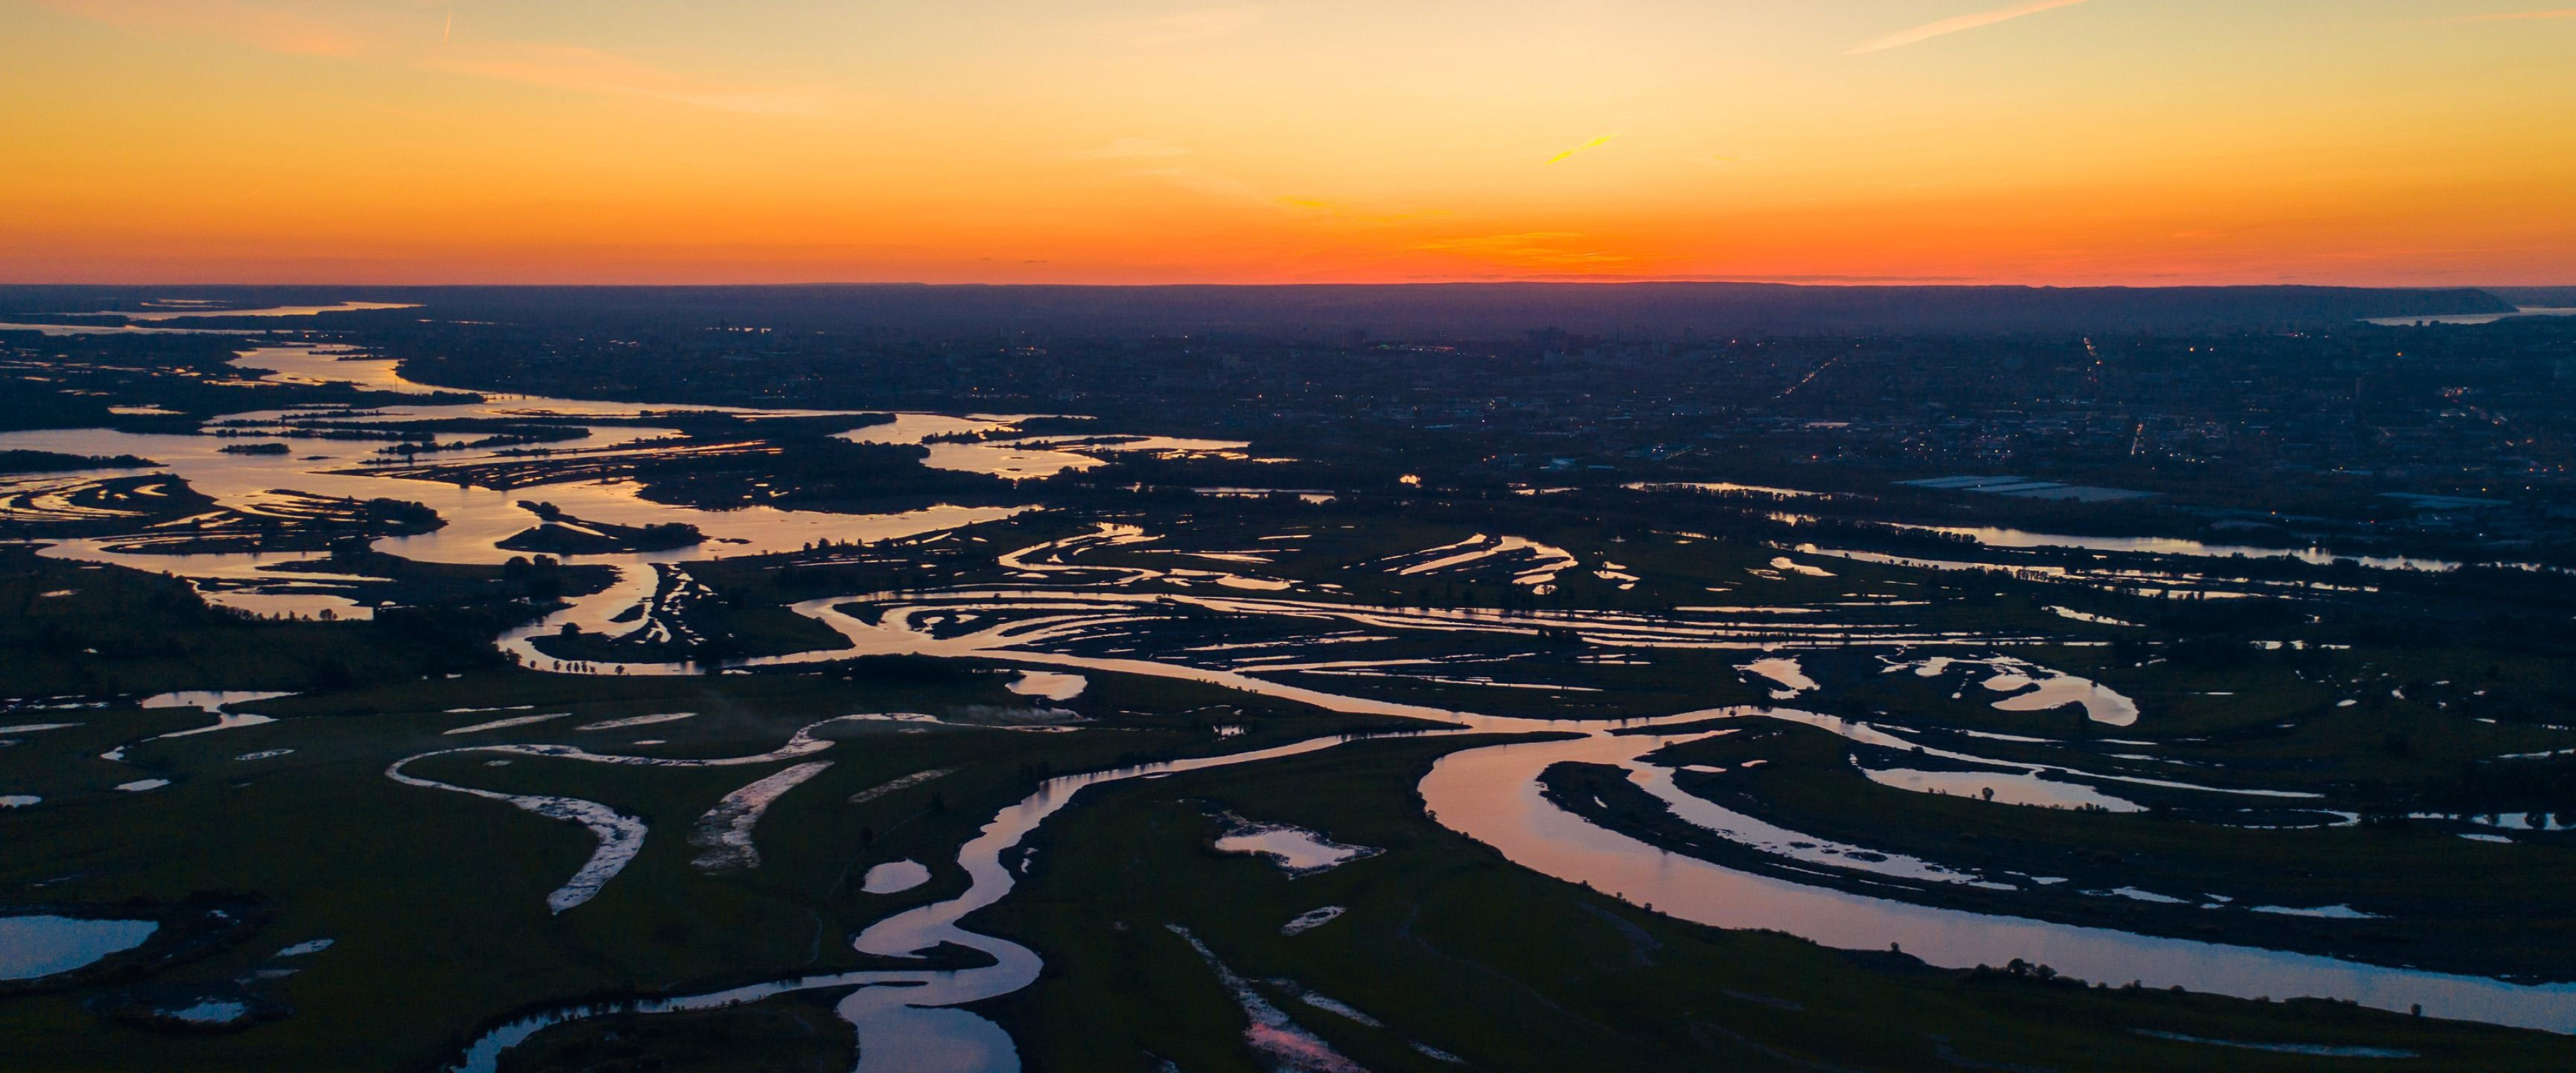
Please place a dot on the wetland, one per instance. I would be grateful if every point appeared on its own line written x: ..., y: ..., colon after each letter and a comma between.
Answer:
x: 930, y: 736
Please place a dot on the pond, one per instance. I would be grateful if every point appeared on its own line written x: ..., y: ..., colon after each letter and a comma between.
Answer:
x: 44, y: 944
x: 1295, y: 850
x: 1052, y: 685
x: 894, y: 877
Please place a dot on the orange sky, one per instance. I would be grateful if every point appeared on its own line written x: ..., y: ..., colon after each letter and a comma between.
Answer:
x: 2051, y: 141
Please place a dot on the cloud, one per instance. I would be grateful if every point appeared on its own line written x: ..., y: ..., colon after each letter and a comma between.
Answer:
x: 1593, y: 144
x: 1129, y: 148
x: 1930, y: 30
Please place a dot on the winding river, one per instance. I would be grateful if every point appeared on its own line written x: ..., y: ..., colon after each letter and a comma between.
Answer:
x: 907, y: 1018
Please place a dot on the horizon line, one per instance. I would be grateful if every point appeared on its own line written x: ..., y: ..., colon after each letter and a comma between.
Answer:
x: 1818, y: 282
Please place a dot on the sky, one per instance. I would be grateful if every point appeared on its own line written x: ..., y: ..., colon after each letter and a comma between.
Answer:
x: 2065, y: 142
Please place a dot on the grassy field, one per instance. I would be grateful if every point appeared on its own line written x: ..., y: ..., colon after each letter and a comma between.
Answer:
x: 435, y: 901
x: 72, y: 629
x: 790, y: 1034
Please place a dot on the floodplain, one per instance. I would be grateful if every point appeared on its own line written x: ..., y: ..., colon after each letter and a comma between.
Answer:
x: 461, y: 726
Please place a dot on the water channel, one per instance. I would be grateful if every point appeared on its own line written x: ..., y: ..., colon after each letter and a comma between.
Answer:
x: 905, y: 1016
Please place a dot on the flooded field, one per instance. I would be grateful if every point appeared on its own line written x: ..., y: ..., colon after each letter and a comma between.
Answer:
x: 1738, y: 731
x: 474, y: 521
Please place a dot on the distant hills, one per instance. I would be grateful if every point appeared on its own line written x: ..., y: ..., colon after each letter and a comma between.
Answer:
x: 1416, y: 311
x: 2552, y: 297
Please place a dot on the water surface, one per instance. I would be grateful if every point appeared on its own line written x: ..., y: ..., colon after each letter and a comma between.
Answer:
x: 45, y: 944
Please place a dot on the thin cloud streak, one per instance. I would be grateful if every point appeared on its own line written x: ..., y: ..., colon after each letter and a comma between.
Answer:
x: 1593, y: 144
x: 1930, y: 30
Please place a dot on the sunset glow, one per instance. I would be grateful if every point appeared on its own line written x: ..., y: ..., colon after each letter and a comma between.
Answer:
x: 1124, y: 141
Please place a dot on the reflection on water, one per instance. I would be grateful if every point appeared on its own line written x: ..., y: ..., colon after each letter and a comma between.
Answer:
x: 476, y: 520
x: 1005, y: 462
x: 2034, y: 688
x: 326, y: 364
x: 1312, y: 919
x: 209, y: 1012
x: 894, y: 877
x: 2021, y: 538
x: 1052, y: 685
x: 250, y: 582
x: 901, y: 1024
x: 1490, y: 794
x: 2473, y: 318
x: 212, y: 700
x: 994, y: 453
x: 1783, y: 672
x: 725, y: 829
x: 723, y: 835
x: 1029, y: 459
x: 115, y: 329
x: 2002, y: 787
x: 1282, y: 1043
x: 1758, y: 834
x: 1723, y: 488
x: 1295, y: 850
x: 913, y: 428
x: 178, y: 310
x: 44, y: 944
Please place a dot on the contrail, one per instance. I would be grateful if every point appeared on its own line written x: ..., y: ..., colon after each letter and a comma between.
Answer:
x: 1930, y: 30
x: 1594, y: 143
x: 451, y: 26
